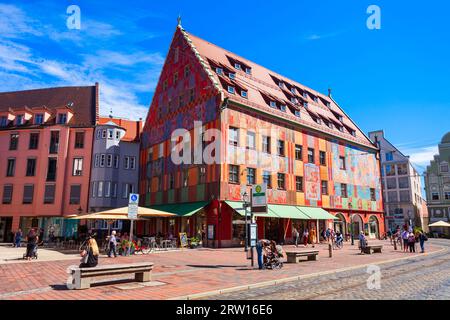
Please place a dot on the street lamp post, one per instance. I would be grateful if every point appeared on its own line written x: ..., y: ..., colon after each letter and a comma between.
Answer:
x: 245, y: 198
x: 350, y: 206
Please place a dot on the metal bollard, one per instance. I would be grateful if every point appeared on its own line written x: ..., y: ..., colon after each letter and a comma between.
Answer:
x: 330, y: 250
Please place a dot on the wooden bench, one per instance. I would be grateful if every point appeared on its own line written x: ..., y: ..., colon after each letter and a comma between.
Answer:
x: 293, y: 256
x: 80, y: 278
x: 374, y: 249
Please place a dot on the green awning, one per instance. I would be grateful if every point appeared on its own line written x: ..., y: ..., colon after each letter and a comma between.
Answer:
x: 274, y: 211
x: 317, y: 213
x: 181, y: 209
x: 286, y: 212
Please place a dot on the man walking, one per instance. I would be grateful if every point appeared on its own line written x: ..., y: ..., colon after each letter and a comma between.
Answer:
x: 422, y: 239
x: 296, y: 235
x: 112, y: 244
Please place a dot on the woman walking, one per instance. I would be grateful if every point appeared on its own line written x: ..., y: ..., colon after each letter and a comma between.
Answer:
x: 305, y: 237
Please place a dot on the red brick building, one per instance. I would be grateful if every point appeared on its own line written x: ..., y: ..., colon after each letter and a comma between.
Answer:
x: 316, y: 161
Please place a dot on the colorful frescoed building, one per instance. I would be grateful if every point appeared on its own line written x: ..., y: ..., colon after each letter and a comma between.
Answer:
x: 321, y: 169
x: 45, y: 155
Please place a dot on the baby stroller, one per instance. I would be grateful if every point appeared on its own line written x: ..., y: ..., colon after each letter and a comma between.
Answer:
x: 34, y: 253
x: 273, y: 258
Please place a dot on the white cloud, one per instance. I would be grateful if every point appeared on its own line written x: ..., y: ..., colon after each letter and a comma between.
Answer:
x: 14, y: 23
x: 422, y: 156
x: 122, y: 75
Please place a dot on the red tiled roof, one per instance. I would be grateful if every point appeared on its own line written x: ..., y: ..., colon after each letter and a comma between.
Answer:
x: 84, y: 101
x: 133, y: 128
x: 262, y: 82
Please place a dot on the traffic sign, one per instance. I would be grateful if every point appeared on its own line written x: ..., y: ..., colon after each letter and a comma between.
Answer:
x: 259, y: 198
x: 133, y: 206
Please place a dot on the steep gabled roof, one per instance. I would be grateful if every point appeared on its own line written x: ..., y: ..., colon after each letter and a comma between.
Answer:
x: 261, y: 83
x: 83, y: 101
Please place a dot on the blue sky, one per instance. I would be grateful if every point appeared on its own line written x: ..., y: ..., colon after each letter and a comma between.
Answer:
x: 396, y: 78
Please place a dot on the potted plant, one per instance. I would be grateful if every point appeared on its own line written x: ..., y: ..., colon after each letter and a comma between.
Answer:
x: 194, y: 242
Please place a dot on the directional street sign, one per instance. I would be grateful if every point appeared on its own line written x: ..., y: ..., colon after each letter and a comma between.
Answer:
x: 133, y: 205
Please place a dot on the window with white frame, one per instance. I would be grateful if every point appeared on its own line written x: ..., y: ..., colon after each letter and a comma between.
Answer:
x: 77, y: 167
x: 100, y: 189
x: 231, y: 89
x: 233, y: 134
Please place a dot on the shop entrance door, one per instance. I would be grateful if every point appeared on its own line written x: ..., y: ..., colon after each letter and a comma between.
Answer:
x: 5, y: 229
x: 273, y: 229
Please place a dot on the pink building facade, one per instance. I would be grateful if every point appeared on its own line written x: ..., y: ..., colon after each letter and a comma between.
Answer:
x: 45, y: 155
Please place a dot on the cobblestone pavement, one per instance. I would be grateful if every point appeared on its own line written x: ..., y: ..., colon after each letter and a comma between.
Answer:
x: 186, y: 273
x: 423, y: 278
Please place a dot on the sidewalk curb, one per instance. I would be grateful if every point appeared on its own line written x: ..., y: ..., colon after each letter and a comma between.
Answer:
x: 294, y: 278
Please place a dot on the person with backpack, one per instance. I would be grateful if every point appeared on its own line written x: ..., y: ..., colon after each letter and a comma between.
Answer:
x: 411, y: 242
x: 422, y: 239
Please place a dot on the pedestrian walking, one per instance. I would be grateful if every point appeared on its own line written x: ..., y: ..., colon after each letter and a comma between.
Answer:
x: 89, y: 252
x: 411, y: 242
x: 305, y: 237
x: 328, y: 235
x: 405, y: 236
x: 32, y: 240
x: 260, y: 245
x: 112, y: 243
x: 18, y: 238
x: 422, y: 239
x: 312, y: 236
x: 295, y: 235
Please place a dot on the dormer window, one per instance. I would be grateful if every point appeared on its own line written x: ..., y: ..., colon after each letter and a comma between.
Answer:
x: 244, y: 94
x: 110, y: 133
x: 3, y: 121
x: 330, y: 125
x: 19, y: 120
x: 62, y: 118
x: 317, y: 120
x: 353, y: 132
x: 328, y: 104
x: 231, y: 89
x: 248, y: 70
x: 281, y: 84
x: 316, y: 99
x: 117, y: 135
x: 273, y: 104
x: 297, y: 113
x: 294, y: 100
x: 237, y: 66
x: 341, y: 128
x: 305, y: 104
x: 293, y: 90
x: 283, y: 107
x: 340, y: 118
x: 39, y: 118
x: 219, y: 71
x: 232, y: 76
x: 305, y: 95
